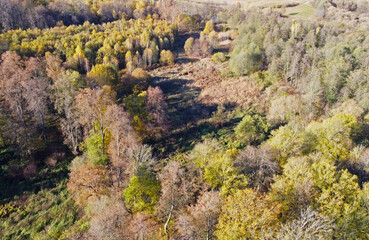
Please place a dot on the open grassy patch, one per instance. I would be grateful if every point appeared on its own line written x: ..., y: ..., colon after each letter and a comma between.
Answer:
x: 302, y: 10
x: 44, y: 215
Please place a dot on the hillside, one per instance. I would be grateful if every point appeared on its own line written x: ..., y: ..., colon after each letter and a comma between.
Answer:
x: 196, y: 119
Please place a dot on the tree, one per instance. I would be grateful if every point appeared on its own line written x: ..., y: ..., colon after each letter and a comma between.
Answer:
x: 259, y: 165
x: 217, y: 167
x: 202, y: 218
x: 142, y: 192
x: 124, y: 139
x: 246, y: 215
x: 309, y: 225
x: 104, y: 74
x: 26, y: 109
x: 86, y: 181
x: 36, y: 93
x: 157, y: 107
x: 109, y: 218
x: 93, y: 103
x: 252, y: 129
x: 65, y: 89
x: 246, y: 59
x: 176, y: 192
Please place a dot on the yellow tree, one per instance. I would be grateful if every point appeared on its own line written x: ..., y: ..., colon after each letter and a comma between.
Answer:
x: 246, y: 215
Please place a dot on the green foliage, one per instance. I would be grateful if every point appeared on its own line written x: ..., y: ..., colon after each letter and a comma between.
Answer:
x: 99, y: 44
x: 44, y: 215
x: 166, y: 57
x: 246, y: 59
x: 252, y: 129
x: 188, y: 45
x: 104, y: 74
x: 136, y: 106
x: 96, y: 154
x: 217, y: 166
x: 209, y: 27
x: 142, y: 193
x: 333, y: 135
x: 219, y: 57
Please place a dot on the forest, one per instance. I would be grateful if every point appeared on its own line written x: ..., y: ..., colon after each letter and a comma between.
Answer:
x: 183, y: 119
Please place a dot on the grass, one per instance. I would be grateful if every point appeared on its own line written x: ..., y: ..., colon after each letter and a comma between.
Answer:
x: 44, y: 215
x: 302, y: 10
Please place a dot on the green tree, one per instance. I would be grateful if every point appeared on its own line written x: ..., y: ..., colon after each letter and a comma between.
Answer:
x: 104, y: 74
x: 142, y: 193
x: 252, y: 129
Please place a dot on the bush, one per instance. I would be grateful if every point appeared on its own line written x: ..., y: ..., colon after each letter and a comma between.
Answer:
x: 189, y: 45
x: 219, y: 57
x: 166, y: 57
x: 141, y: 74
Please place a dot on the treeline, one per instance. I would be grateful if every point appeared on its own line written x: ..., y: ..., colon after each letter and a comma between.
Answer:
x: 46, y: 14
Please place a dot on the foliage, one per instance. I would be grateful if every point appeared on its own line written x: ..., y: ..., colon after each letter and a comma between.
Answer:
x: 247, y: 214
x: 166, y: 57
x: 219, y: 57
x: 44, y: 215
x: 252, y: 129
x: 142, y: 192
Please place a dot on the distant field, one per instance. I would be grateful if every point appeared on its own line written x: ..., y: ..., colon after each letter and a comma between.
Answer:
x: 302, y: 10
x: 247, y: 3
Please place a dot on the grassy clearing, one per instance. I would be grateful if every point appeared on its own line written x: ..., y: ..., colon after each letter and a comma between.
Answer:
x: 302, y: 10
x: 44, y: 215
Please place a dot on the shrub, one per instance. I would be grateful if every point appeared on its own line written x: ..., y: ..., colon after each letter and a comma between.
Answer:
x: 166, y: 57
x: 189, y: 45
x: 141, y: 74
x: 219, y: 57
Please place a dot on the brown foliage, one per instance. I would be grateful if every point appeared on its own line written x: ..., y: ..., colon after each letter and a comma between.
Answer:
x: 142, y: 227
x: 93, y: 103
x: 86, y: 181
x: 30, y: 170
x: 156, y: 107
x: 259, y: 164
x: 109, y: 219
x: 202, y: 218
x: 124, y: 139
x: 177, y: 191
x: 24, y: 91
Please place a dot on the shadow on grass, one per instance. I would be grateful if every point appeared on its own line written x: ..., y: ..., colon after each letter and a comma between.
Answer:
x: 187, y: 116
x: 47, y: 177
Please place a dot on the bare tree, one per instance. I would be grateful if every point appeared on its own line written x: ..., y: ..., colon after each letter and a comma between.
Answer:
x: 259, y: 164
x: 157, y: 106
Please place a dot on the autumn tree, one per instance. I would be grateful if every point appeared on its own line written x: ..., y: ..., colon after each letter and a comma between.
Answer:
x: 86, y: 181
x: 94, y: 103
x: 104, y: 74
x: 247, y: 214
x: 25, y: 92
x: 124, y: 139
x: 176, y: 192
x: 65, y: 90
x: 157, y: 107
x: 259, y: 165
x: 202, y: 217
x: 109, y: 218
